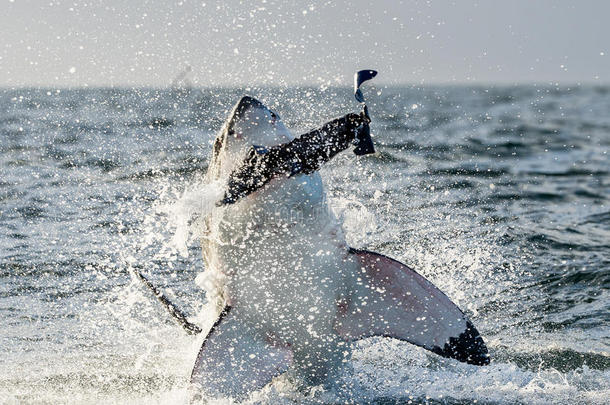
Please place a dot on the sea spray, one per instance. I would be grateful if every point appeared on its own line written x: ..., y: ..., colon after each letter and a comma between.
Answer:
x: 187, y: 215
x: 527, y: 255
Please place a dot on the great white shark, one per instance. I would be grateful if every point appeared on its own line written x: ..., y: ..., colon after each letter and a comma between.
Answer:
x: 288, y: 291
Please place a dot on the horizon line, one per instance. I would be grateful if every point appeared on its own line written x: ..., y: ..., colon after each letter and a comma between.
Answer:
x: 551, y: 83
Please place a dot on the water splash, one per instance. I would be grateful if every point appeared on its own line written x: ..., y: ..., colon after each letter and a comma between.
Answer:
x: 188, y: 213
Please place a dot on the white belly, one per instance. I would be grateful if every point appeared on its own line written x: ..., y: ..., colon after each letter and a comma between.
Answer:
x: 284, y: 260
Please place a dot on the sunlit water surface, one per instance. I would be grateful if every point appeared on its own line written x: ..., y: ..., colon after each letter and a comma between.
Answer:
x: 499, y: 195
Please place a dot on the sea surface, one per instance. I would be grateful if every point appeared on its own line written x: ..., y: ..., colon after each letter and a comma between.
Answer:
x: 500, y: 195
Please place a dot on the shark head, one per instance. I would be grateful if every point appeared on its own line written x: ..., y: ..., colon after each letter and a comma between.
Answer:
x: 250, y: 123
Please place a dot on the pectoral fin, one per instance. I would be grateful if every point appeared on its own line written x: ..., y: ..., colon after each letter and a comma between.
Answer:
x: 390, y: 299
x: 233, y: 361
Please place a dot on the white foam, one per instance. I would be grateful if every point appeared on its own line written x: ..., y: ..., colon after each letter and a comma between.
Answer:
x: 186, y: 215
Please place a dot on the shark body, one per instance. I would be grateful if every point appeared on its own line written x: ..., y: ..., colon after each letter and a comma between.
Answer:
x: 289, y: 292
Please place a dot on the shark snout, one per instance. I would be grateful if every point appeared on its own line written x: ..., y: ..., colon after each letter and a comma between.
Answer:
x: 246, y: 103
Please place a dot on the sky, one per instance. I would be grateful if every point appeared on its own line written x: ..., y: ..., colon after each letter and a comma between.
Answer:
x: 57, y: 43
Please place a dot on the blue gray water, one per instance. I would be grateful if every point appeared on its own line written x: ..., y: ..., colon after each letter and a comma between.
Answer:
x: 499, y: 195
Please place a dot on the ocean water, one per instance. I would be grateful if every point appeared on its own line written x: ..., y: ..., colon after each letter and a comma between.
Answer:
x: 499, y: 195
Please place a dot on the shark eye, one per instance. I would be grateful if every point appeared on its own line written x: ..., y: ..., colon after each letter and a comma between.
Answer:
x: 274, y: 115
